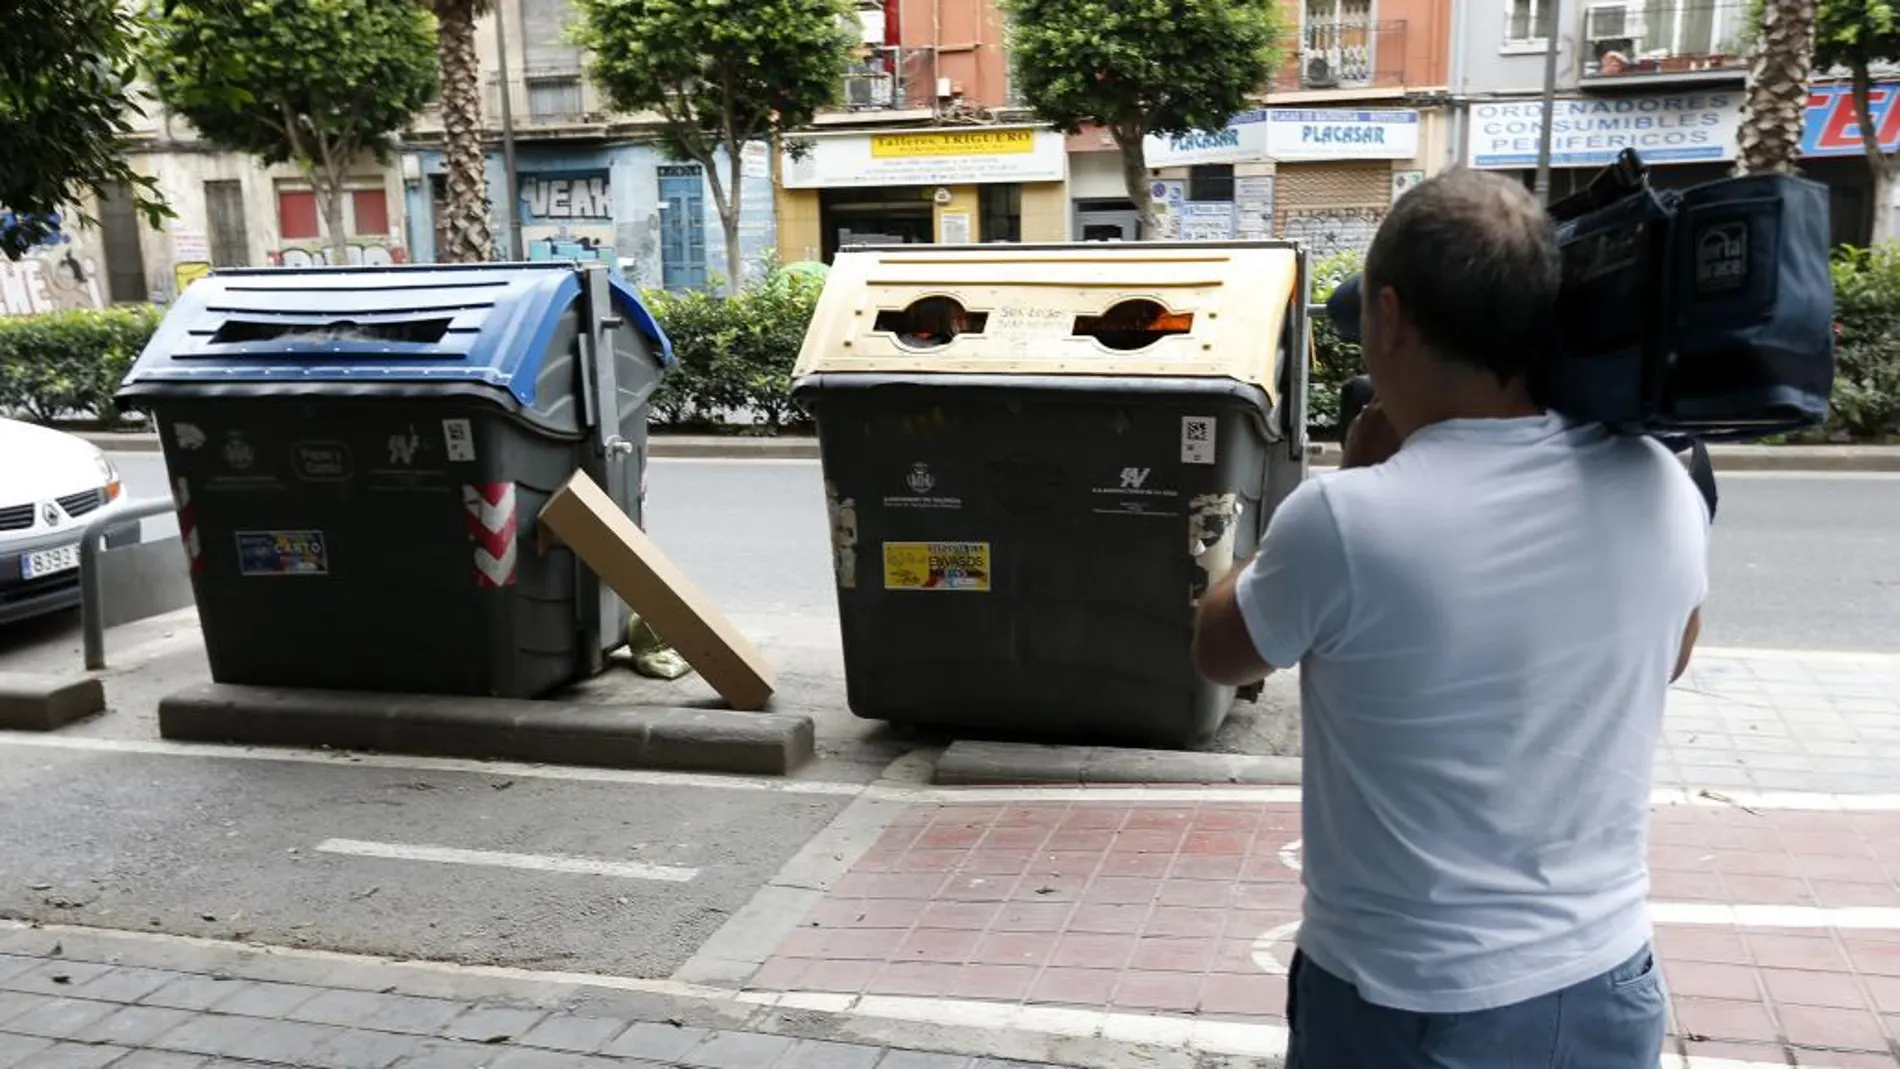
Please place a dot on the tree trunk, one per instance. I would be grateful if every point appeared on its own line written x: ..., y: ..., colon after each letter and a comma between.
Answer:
x: 726, y: 203
x: 469, y: 237
x: 330, y: 197
x: 729, y: 218
x: 1879, y: 163
x: 1779, y: 69
x: 1135, y: 176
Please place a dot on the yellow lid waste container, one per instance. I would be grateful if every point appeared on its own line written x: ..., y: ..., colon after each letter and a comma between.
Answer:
x: 1037, y: 459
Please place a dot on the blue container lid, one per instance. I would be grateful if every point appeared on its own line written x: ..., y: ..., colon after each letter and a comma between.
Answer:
x: 489, y: 324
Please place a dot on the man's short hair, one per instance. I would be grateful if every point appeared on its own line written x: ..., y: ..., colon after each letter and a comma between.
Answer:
x: 1474, y: 262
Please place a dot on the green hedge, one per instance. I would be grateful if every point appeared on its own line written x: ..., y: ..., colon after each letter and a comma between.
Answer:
x: 67, y: 365
x: 1866, y: 403
x: 735, y: 353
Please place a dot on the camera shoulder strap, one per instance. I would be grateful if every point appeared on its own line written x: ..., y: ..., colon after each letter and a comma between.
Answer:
x: 1702, y: 473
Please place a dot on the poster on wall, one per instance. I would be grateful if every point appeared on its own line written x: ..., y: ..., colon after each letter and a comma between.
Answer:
x: 1208, y: 220
x: 953, y: 228
x: 1168, y: 197
x: 568, y: 215
x: 1253, y: 207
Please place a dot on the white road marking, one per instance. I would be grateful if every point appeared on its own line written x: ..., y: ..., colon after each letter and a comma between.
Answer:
x: 1263, y: 948
x: 497, y: 769
x: 1861, y: 918
x: 883, y: 791
x: 449, y: 855
x: 1290, y: 855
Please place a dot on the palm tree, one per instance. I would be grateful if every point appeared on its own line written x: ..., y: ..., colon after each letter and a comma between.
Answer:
x: 469, y: 237
x: 1779, y: 69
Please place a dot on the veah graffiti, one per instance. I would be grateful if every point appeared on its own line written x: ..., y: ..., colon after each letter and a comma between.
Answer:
x: 359, y: 255
x: 61, y: 273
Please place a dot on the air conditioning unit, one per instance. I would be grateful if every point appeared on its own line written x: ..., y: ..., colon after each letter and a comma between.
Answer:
x: 1319, y: 73
x: 857, y: 92
x: 1605, y: 23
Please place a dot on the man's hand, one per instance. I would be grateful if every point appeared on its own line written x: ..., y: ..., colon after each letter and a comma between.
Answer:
x: 1371, y: 439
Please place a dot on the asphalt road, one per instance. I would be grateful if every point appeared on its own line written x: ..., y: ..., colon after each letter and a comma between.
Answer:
x: 299, y: 855
x: 1799, y: 561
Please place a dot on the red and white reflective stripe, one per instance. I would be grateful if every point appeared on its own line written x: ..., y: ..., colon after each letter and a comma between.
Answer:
x: 188, y: 525
x: 491, y: 524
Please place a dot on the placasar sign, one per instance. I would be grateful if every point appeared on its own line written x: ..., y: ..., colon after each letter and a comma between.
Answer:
x: 928, y: 158
x: 1668, y: 128
x: 1242, y: 140
x: 1331, y: 134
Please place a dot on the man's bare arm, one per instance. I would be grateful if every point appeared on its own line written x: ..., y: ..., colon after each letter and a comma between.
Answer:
x: 1224, y: 651
x: 1689, y: 635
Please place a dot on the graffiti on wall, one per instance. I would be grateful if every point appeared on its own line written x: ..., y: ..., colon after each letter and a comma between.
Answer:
x: 569, y: 215
x: 60, y: 273
x: 1325, y: 231
x: 359, y: 254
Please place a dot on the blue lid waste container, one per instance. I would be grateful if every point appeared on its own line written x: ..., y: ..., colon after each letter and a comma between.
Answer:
x: 358, y: 456
x: 1037, y: 459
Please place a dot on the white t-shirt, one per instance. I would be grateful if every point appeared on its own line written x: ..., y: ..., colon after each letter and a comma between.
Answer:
x: 1486, y: 626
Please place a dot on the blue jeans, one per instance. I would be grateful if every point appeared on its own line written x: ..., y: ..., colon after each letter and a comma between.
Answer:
x: 1613, y: 1021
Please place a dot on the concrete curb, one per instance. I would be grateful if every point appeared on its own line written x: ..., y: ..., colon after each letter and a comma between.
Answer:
x: 971, y: 764
x: 546, y: 732
x: 1817, y: 458
x: 47, y: 703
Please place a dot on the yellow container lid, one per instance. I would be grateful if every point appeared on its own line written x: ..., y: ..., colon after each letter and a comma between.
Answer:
x: 1088, y: 308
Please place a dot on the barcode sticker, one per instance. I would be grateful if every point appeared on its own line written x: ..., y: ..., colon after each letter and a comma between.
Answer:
x: 1197, y: 439
x: 459, y: 438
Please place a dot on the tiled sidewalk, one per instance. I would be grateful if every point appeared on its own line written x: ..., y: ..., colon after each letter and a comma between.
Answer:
x: 1784, y: 721
x: 58, y: 1013
x: 1183, y: 911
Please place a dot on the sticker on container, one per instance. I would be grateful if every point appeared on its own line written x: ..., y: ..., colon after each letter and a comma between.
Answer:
x: 189, y: 436
x: 459, y: 437
x: 1197, y: 439
x: 937, y: 566
x: 1135, y: 491
x: 282, y: 553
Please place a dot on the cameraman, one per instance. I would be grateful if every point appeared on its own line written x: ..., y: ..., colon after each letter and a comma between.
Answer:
x: 1487, y: 610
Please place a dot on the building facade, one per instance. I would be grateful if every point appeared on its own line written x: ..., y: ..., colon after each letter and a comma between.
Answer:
x: 1664, y: 77
x: 928, y: 146
x: 589, y: 183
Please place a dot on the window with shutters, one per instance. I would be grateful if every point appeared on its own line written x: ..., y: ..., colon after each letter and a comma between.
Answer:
x: 369, y: 213
x: 225, y: 227
x: 297, y: 216
x: 120, y: 229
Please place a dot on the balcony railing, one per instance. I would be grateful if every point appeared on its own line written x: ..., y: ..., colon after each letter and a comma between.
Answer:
x: 881, y: 78
x: 1341, y: 46
x: 1663, y: 39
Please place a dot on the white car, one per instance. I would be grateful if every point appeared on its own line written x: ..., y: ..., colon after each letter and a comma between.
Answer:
x: 52, y: 485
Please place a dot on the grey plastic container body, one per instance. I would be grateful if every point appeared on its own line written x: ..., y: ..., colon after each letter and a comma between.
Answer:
x: 1103, y: 514
x: 381, y: 535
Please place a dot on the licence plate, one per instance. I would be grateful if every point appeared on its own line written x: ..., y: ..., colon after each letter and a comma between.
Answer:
x: 49, y: 562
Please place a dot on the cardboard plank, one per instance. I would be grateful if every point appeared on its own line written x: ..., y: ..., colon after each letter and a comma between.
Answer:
x: 582, y: 515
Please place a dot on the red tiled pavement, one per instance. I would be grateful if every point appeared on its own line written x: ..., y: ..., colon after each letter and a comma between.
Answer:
x: 1156, y: 908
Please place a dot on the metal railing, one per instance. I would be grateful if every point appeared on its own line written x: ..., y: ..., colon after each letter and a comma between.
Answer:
x: 91, y: 578
x: 1661, y: 38
x: 1342, y: 46
x: 880, y: 79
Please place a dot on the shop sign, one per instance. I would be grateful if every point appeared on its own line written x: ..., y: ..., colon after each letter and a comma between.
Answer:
x: 1242, y: 140
x: 1342, y: 135
x: 1833, y: 125
x: 928, y: 158
x: 1663, y: 128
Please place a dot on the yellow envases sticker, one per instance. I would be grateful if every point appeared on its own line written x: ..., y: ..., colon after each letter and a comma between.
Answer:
x: 937, y: 566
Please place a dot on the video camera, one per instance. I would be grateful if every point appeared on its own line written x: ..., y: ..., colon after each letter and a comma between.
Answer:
x: 1705, y: 314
